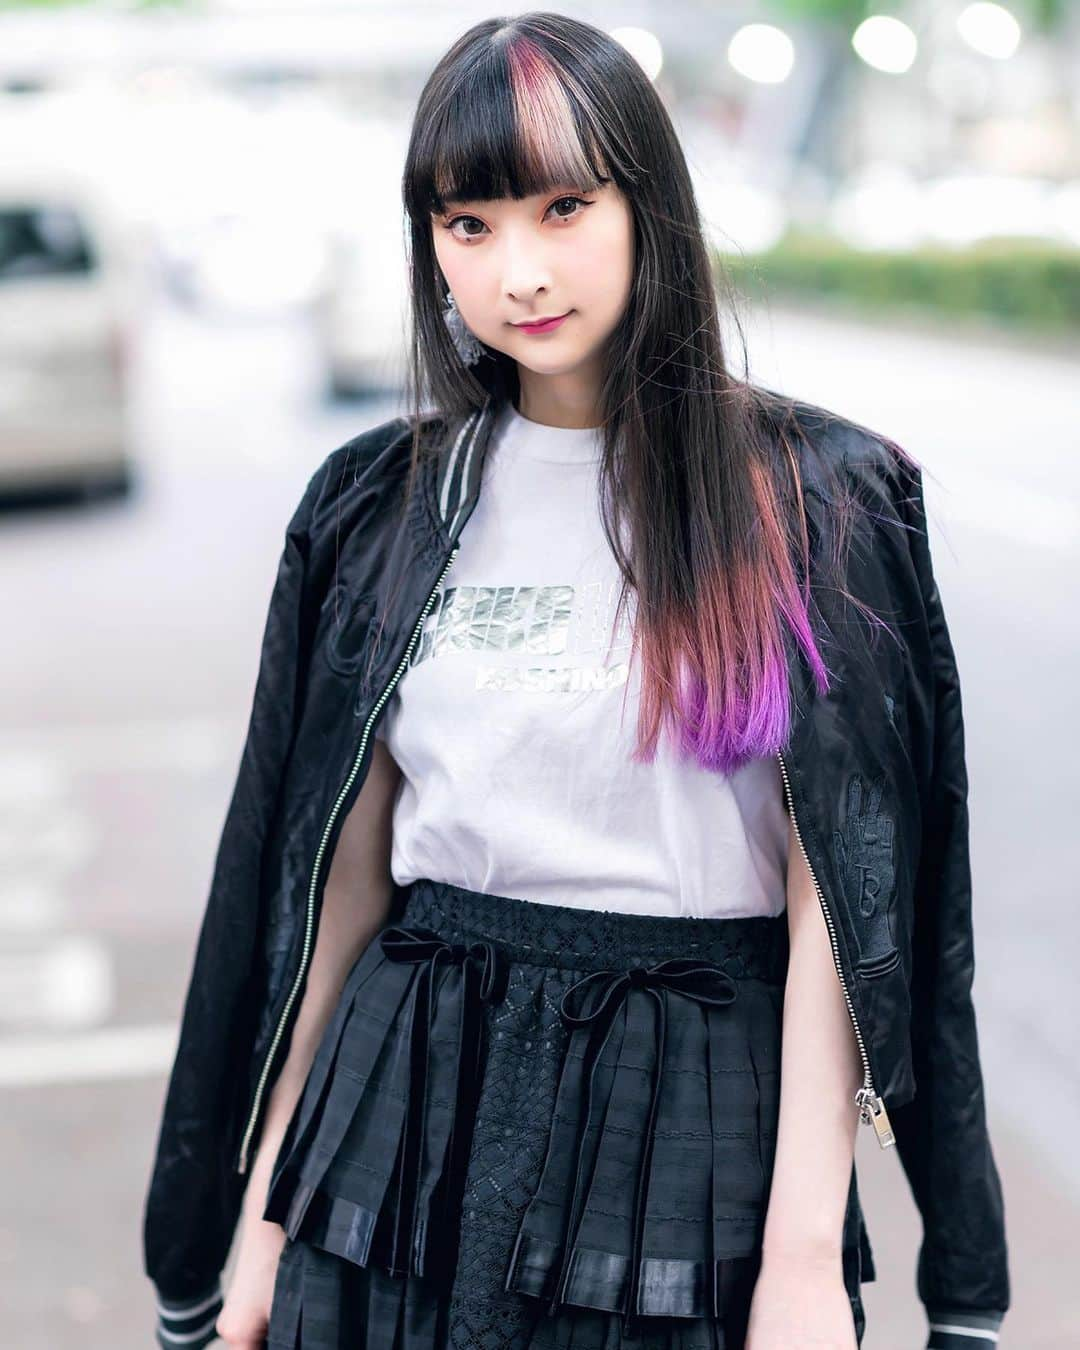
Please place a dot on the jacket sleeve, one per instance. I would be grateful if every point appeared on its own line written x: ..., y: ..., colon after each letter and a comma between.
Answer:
x: 941, y: 1134
x: 195, y: 1194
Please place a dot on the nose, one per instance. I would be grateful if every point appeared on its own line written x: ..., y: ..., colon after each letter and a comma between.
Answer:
x: 527, y: 296
x: 526, y: 274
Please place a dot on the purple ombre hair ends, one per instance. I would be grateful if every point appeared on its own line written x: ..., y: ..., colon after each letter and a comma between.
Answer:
x: 732, y: 698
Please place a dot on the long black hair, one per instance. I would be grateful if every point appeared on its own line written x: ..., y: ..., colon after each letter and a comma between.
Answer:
x: 697, y: 460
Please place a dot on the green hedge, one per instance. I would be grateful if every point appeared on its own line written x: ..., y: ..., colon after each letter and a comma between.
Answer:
x: 1017, y: 280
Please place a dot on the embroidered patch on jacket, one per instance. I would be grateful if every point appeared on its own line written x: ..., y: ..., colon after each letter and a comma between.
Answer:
x: 864, y: 857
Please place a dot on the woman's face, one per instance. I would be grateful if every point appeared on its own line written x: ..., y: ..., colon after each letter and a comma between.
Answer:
x: 559, y: 252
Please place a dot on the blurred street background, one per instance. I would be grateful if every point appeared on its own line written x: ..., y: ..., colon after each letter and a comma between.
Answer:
x: 202, y: 293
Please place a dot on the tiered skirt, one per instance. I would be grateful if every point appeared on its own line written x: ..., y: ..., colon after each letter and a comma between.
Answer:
x: 536, y: 1127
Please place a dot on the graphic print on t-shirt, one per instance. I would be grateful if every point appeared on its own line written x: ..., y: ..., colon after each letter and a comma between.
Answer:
x: 537, y: 621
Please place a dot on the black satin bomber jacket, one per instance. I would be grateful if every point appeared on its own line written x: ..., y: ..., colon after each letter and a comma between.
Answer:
x: 874, y: 773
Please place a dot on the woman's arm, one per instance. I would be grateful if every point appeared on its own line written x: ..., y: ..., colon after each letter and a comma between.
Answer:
x: 800, y: 1297
x: 820, y: 1072
x: 356, y: 904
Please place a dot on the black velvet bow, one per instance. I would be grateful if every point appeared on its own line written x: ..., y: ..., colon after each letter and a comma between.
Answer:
x: 598, y: 997
x: 484, y: 979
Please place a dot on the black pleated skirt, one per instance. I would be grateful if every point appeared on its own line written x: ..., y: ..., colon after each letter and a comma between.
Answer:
x: 534, y: 1127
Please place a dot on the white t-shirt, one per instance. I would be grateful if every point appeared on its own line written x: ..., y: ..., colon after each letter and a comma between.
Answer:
x: 509, y: 729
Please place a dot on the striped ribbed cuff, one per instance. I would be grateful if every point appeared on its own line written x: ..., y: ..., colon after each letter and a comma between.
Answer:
x: 962, y: 1329
x: 189, y: 1325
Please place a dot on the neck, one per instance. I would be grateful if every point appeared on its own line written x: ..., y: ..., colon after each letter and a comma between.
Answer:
x: 568, y: 400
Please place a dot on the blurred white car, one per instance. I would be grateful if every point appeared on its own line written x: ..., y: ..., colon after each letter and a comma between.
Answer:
x: 362, y: 315
x: 362, y: 310
x: 241, y: 263
x: 63, y: 338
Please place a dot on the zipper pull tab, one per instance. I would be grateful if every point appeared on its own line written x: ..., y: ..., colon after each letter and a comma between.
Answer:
x: 872, y: 1112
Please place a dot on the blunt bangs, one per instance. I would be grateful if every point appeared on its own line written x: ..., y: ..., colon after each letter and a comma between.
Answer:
x: 515, y: 127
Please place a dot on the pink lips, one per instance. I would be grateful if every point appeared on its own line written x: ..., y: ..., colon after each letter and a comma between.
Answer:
x: 547, y: 326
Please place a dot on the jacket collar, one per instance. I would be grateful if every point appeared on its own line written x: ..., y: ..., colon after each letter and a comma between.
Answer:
x: 460, y: 465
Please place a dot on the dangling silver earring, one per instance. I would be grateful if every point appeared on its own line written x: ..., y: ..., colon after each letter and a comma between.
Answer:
x: 465, y: 341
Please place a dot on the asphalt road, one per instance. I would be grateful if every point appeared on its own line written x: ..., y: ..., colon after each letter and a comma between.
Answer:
x: 133, y: 631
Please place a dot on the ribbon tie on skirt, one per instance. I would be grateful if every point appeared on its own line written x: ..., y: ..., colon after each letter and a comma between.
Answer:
x: 594, y: 1000
x: 484, y: 974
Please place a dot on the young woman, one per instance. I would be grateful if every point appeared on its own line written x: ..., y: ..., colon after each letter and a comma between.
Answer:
x: 598, y: 857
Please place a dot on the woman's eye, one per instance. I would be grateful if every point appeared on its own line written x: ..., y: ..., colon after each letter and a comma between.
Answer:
x: 475, y: 234
x: 459, y: 220
x: 559, y: 201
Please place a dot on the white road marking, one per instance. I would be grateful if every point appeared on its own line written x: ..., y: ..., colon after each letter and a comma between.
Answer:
x: 28, y: 904
x: 38, y: 757
x: 112, y: 1053
x: 54, y: 841
x: 64, y: 982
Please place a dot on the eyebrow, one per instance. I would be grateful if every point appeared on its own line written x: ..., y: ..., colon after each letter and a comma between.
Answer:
x: 453, y: 203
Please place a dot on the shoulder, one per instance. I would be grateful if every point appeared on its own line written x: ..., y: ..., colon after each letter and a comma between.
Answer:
x: 861, y: 490
x: 836, y: 452
x: 365, y: 461
x: 843, y: 464
x: 360, y: 475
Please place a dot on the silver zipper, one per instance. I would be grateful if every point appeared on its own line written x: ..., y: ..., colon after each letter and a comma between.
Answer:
x: 313, y: 887
x: 871, y: 1106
